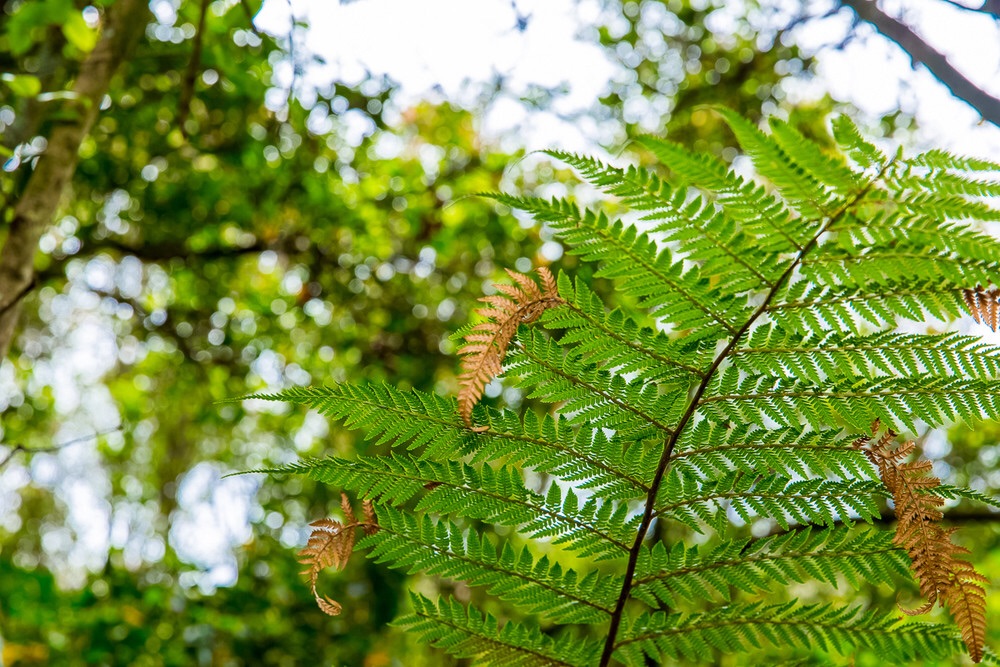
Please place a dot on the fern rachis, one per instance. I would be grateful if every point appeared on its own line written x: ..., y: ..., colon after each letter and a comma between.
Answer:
x: 762, y: 345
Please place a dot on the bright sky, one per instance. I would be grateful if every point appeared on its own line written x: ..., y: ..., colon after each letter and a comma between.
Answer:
x: 441, y: 44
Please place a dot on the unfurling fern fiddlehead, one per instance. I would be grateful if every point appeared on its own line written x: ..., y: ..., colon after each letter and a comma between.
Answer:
x: 739, y: 388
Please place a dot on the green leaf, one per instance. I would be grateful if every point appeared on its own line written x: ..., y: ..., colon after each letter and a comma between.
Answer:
x: 22, y: 85
x: 79, y: 34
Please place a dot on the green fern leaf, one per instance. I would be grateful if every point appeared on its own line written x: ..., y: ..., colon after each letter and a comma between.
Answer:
x: 740, y: 386
x: 467, y: 633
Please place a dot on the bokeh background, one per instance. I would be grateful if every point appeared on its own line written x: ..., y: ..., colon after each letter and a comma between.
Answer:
x: 283, y: 195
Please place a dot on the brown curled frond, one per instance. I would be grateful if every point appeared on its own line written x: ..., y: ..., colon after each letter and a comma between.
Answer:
x: 943, y: 577
x: 346, y: 508
x: 331, y: 544
x: 371, y: 520
x: 485, y: 346
x: 984, y: 305
x: 967, y: 601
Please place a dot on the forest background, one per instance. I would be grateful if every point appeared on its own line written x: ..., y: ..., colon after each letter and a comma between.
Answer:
x: 278, y: 195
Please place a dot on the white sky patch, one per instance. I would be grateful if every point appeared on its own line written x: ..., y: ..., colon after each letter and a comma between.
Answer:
x: 437, y: 47
x: 212, y: 520
x: 877, y: 76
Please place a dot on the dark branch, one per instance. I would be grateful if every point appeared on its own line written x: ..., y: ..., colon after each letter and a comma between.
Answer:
x: 163, y: 252
x: 921, y: 52
x: 191, y: 75
x: 16, y: 299
x: 54, y: 448
x: 249, y: 14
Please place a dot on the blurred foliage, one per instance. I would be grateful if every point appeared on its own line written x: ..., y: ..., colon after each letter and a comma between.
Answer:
x: 677, y: 56
x: 258, y: 238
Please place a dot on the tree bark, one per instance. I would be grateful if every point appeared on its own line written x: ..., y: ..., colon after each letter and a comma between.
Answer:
x: 125, y: 23
x: 921, y: 52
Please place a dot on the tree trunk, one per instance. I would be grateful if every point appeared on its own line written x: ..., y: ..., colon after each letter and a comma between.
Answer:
x: 125, y: 23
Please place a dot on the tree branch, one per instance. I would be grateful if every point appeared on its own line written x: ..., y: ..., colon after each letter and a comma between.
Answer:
x: 249, y: 14
x: 165, y: 251
x: 37, y: 206
x: 54, y: 448
x: 921, y: 52
x: 191, y: 75
x: 16, y: 298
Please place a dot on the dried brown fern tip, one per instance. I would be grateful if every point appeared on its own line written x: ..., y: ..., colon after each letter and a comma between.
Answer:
x: 984, y: 305
x: 331, y: 544
x: 486, y: 344
x: 942, y: 576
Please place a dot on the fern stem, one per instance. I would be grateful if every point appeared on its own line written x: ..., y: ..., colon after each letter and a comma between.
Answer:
x: 693, y: 405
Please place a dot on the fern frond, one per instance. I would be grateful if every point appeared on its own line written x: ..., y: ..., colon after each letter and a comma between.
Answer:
x: 686, y: 574
x: 742, y: 628
x: 700, y: 230
x: 984, y: 305
x: 444, y: 549
x: 900, y: 402
x: 639, y: 267
x: 943, y: 577
x: 899, y: 264
x: 956, y: 185
x: 430, y: 423
x: 939, y: 159
x: 834, y: 356
x: 331, y: 544
x: 465, y: 632
x: 887, y: 232
x: 948, y: 492
x: 411, y: 419
x: 590, y: 395
x: 486, y: 344
x: 694, y: 501
x: 712, y: 448
x: 759, y: 331
x: 966, y: 600
x: 864, y: 153
x: 598, y: 528
x: 803, y: 189
x: 586, y: 456
x: 751, y: 206
x: 827, y: 168
x: 615, y: 342
x: 948, y: 207
x: 808, y: 307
